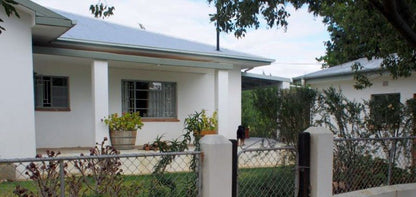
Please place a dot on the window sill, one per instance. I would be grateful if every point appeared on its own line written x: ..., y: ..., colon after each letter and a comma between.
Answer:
x: 160, y: 120
x: 53, y: 109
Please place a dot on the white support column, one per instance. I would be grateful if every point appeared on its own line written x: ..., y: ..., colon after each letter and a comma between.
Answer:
x: 322, y: 143
x: 222, y: 104
x: 99, y: 79
x: 216, y: 166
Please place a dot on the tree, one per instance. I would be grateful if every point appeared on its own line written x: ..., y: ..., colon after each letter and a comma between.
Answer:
x: 98, y: 9
x: 359, y: 30
x: 264, y: 105
x: 366, y: 28
x: 287, y: 111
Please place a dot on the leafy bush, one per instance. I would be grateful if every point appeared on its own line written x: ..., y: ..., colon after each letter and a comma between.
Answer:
x: 200, y: 121
x: 361, y: 172
x: 125, y: 122
x: 287, y: 111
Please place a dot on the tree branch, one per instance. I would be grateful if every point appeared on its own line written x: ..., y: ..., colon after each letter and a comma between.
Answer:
x: 390, y: 11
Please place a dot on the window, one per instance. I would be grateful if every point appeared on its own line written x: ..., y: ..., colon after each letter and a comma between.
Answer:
x: 151, y: 99
x: 51, y: 92
x: 385, y: 109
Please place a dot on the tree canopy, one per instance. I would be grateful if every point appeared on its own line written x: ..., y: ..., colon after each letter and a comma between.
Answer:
x: 366, y: 28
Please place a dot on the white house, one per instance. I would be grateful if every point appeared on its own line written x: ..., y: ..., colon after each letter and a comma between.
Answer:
x: 341, y: 77
x: 62, y: 73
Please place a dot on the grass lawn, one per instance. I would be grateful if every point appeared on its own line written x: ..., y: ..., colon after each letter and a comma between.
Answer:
x: 276, y: 182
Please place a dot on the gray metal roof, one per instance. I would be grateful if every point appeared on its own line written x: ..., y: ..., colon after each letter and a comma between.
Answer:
x: 94, y: 31
x: 343, y: 69
x: 252, y: 81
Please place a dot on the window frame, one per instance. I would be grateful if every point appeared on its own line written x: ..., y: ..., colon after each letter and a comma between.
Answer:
x: 376, y: 116
x: 146, y: 118
x: 52, y: 108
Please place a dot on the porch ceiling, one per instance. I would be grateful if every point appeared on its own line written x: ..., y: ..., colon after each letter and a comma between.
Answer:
x: 42, y: 59
x: 129, y: 58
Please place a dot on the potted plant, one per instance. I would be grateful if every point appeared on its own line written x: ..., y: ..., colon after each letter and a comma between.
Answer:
x: 123, y: 129
x: 201, y: 124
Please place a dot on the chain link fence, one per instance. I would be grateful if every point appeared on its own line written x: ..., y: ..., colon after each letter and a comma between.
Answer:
x: 143, y: 174
x: 363, y: 163
x: 266, y: 172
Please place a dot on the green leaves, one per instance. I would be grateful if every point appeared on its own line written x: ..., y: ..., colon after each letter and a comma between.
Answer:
x: 9, y: 7
x: 200, y: 121
x: 238, y: 16
x: 285, y: 110
x: 358, y: 29
x: 367, y: 28
x: 125, y: 122
x: 101, y: 10
x: 2, y: 28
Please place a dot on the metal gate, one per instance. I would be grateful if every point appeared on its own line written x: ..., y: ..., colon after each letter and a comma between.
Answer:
x: 266, y: 172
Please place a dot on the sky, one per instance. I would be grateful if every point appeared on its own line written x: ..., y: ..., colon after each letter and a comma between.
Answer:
x: 294, y: 50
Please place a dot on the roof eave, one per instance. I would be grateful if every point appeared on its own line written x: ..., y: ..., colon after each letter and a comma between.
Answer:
x: 49, y: 25
x: 252, y: 61
x: 372, y: 70
x: 45, y: 16
x: 265, y: 77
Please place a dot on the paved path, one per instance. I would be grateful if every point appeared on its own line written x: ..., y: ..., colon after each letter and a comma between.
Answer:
x: 256, y: 142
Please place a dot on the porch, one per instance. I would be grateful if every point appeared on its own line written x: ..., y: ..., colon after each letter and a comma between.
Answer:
x: 96, y: 88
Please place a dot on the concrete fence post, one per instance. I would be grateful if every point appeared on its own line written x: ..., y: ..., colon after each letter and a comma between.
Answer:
x: 322, y: 141
x: 216, y: 166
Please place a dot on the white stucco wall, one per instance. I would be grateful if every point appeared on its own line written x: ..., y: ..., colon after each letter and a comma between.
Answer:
x: 195, y: 91
x: 405, y: 86
x: 284, y: 85
x: 72, y: 128
x: 17, y: 132
x: 402, y: 190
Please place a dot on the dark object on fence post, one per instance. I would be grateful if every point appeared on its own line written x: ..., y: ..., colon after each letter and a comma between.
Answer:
x: 247, y: 133
x: 304, y: 147
x: 234, y: 168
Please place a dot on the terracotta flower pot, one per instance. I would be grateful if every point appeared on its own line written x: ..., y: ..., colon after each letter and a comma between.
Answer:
x: 208, y: 132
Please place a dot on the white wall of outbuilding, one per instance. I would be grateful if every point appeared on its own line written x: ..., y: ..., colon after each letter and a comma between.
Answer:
x: 382, y: 84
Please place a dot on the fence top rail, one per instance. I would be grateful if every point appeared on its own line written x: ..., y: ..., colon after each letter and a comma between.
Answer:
x: 268, y: 149
x: 373, y: 139
x: 70, y: 158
